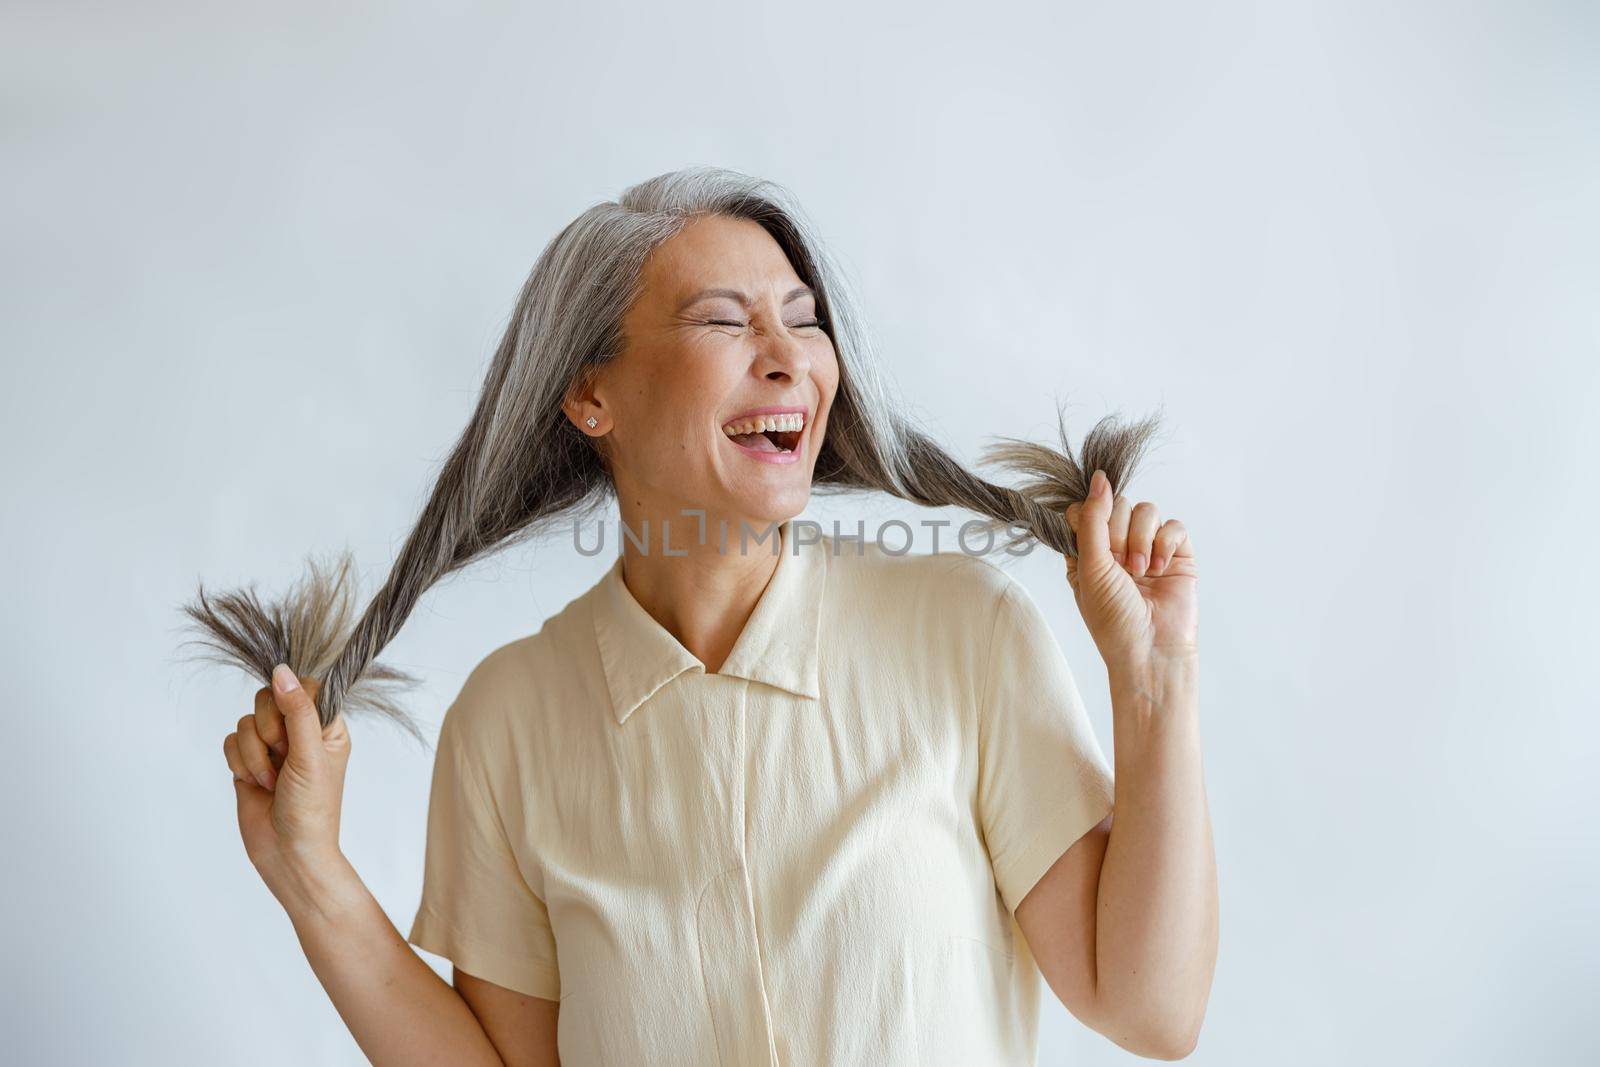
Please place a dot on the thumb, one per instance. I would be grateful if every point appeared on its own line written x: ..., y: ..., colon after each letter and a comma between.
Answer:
x: 300, y: 719
x: 1093, y: 527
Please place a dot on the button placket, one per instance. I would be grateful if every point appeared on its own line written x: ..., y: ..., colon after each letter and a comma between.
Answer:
x: 730, y: 951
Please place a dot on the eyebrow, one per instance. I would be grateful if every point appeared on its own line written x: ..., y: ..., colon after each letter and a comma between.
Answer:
x: 734, y: 294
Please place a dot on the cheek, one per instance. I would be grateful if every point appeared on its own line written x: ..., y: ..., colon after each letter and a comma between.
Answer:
x: 704, y: 376
x: 679, y: 407
x: 826, y: 370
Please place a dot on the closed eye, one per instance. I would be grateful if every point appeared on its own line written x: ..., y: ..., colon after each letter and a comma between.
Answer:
x: 725, y: 322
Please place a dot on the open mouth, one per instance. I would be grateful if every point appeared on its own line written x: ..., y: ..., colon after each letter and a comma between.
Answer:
x: 773, y: 434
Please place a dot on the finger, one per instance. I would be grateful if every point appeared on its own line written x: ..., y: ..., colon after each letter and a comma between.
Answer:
x: 230, y: 752
x: 1121, y: 512
x: 257, y: 760
x: 1093, y: 530
x: 1165, y: 545
x: 269, y: 723
x: 336, y: 732
x: 299, y: 718
x: 1142, y: 526
x: 251, y: 803
x: 1185, y: 547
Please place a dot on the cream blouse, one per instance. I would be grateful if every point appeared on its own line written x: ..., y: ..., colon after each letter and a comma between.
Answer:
x: 810, y: 857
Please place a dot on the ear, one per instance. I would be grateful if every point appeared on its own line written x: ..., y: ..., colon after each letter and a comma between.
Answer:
x: 583, y: 403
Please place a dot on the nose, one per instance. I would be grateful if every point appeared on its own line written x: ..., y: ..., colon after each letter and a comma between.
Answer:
x: 781, y: 357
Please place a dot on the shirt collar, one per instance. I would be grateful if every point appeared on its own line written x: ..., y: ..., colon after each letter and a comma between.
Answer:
x: 778, y: 646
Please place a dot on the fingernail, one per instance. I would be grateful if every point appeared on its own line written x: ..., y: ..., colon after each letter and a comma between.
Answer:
x: 266, y: 779
x: 1101, y: 483
x: 280, y: 748
x: 1121, y: 557
x: 284, y: 680
x: 1136, y: 564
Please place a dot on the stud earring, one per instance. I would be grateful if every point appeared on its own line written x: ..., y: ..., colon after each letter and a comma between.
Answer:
x: 591, y: 423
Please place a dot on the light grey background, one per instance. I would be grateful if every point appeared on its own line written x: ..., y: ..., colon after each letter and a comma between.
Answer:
x: 255, y: 259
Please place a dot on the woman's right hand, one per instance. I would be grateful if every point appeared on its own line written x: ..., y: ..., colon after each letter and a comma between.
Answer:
x: 289, y: 782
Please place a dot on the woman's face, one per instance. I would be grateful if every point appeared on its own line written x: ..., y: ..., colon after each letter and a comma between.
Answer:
x: 723, y: 334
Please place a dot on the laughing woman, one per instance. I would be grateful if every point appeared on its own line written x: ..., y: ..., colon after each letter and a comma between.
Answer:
x: 794, y: 799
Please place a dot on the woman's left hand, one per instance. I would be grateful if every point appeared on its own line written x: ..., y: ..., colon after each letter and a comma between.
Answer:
x: 1134, y: 580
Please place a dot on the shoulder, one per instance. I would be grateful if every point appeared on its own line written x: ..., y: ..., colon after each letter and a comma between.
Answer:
x: 929, y: 619
x: 959, y: 584
x: 517, y: 685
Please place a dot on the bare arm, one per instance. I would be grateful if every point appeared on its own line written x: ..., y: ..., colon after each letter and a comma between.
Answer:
x: 398, y: 1009
x: 1125, y: 924
x: 288, y: 781
x: 1156, y: 906
x: 516, y: 1022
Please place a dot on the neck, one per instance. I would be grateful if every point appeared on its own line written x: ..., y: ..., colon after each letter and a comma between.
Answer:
x: 702, y: 594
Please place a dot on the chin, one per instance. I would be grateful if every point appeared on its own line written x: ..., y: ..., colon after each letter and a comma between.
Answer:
x: 771, y: 506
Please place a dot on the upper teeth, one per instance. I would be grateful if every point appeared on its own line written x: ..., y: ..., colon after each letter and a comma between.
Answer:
x: 764, y: 423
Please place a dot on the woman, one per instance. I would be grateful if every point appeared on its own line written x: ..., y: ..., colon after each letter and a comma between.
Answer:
x: 760, y: 795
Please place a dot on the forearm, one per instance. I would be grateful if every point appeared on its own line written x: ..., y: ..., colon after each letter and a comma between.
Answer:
x: 398, y: 1009
x: 1156, y: 912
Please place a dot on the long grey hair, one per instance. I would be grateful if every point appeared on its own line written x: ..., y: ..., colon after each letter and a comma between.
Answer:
x: 520, y: 464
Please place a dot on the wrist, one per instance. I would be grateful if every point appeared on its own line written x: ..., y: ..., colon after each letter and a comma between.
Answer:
x: 315, y: 888
x: 1157, y: 681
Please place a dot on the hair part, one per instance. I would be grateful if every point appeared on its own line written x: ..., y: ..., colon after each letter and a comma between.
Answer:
x: 520, y: 464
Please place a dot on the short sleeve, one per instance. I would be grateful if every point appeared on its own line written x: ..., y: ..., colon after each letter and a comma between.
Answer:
x: 1043, y: 781
x: 477, y: 909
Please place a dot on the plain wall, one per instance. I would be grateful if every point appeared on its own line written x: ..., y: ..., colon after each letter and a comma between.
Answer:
x: 255, y: 261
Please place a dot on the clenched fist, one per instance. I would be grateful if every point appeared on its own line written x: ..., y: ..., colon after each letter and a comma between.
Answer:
x: 289, y: 780
x: 1134, y: 580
